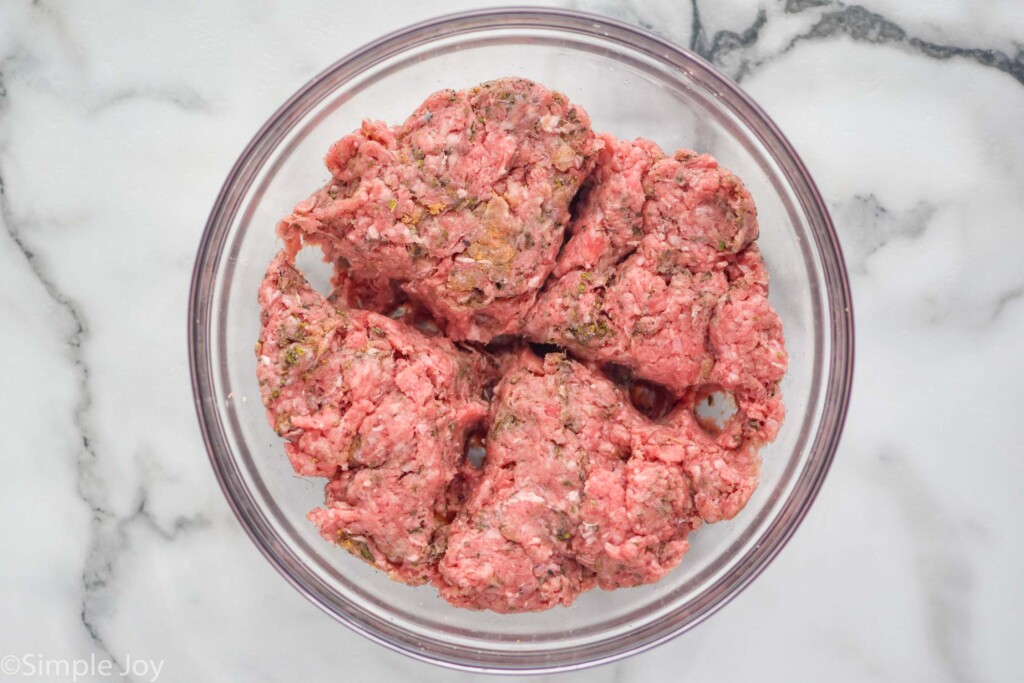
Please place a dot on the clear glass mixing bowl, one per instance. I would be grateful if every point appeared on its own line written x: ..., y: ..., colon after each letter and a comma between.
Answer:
x: 632, y: 84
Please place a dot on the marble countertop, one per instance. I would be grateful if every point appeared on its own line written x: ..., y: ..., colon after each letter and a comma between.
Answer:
x: 118, y: 123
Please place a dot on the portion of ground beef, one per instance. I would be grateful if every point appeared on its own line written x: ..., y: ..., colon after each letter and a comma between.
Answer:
x: 465, y: 203
x: 573, y: 494
x: 697, y: 214
x: 375, y: 406
x: 609, y: 219
x: 640, y: 278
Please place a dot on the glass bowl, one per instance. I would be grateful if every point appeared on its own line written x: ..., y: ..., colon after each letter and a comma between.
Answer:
x: 632, y: 84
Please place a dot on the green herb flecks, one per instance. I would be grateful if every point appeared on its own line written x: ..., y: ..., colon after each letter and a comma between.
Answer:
x: 590, y: 332
x: 363, y: 550
x: 293, y: 354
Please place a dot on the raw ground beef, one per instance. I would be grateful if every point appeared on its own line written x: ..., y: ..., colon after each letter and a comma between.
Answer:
x: 638, y: 282
x: 572, y: 495
x: 375, y: 406
x: 596, y: 466
x: 465, y: 203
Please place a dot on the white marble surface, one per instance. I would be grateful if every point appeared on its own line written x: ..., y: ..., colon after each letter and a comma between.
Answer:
x: 118, y: 121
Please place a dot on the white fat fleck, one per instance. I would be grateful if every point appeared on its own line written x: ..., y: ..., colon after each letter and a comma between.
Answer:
x: 574, y: 496
x: 465, y: 259
x: 549, y: 122
x: 372, y: 233
x: 527, y: 496
x: 536, y: 281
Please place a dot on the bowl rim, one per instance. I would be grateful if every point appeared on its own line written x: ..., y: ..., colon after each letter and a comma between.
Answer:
x: 840, y: 335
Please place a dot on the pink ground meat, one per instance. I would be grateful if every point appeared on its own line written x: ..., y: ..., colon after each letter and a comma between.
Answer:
x: 375, y: 406
x: 697, y: 213
x: 678, y: 223
x: 465, y: 203
x: 455, y: 227
x: 564, y: 503
x: 609, y: 219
